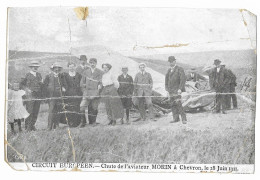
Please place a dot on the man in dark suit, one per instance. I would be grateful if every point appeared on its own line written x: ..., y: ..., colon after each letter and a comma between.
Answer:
x: 143, y: 84
x: 231, y: 87
x: 83, y: 64
x: 91, y: 84
x: 81, y: 68
x: 175, y: 84
x: 221, y: 81
x: 32, y: 84
x: 125, y: 91
x: 55, y: 86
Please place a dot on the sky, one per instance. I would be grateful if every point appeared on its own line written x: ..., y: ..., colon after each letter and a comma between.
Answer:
x: 131, y: 31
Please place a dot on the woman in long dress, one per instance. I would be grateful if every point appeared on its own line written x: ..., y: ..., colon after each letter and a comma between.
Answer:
x: 73, y: 95
x: 110, y: 96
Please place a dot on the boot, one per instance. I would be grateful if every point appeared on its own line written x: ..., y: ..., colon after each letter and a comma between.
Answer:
x: 19, y: 125
x: 113, y: 122
x: 12, y: 128
x: 122, y: 121
x: 127, y: 120
x: 110, y: 122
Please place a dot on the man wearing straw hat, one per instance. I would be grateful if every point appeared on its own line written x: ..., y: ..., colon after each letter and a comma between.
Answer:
x: 32, y: 84
x: 143, y: 84
x: 55, y: 86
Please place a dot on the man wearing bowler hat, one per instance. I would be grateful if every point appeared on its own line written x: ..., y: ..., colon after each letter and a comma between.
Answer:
x: 55, y: 86
x: 90, y: 84
x: 32, y: 84
x: 220, y: 84
x: 83, y: 64
x: 175, y: 84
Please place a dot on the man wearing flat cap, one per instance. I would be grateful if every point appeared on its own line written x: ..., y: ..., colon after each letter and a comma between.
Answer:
x: 175, y: 84
x: 143, y: 84
x: 32, y: 84
x: 220, y: 82
x: 90, y: 85
x: 125, y: 91
x: 55, y: 87
x: 83, y: 64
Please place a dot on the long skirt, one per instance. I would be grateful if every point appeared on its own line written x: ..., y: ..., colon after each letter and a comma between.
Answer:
x: 72, y: 117
x: 114, y: 107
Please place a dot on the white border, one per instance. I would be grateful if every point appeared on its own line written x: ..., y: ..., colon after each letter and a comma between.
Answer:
x: 7, y: 172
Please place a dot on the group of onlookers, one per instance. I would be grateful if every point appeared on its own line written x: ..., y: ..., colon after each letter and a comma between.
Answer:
x: 71, y: 94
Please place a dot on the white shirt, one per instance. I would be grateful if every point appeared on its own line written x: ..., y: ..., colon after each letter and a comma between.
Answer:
x: 72, y: 73
x: 55, y: 74
x: 142, y: 72
x: 218, y: 69
x: 192, y: 75
x: 33, y: 73
x: 92, y: 69
x: 124, y: 75
x: 109, y: 79
x: 172, y: 68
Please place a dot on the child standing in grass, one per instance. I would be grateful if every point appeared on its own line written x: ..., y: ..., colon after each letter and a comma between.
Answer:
x: 16, y: 110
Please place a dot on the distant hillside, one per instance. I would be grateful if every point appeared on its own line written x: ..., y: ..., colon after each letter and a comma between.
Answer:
x: 236, y: 59
x: 30, y: 54
x: 19, y: 61
x: 159, y: 65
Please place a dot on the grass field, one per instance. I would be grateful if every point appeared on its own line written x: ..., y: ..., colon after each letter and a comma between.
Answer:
x: 207, y: 138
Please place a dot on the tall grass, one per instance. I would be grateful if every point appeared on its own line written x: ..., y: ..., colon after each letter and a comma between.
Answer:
x: 128, y: 145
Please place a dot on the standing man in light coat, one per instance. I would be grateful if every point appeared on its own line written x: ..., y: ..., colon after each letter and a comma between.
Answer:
x: 143, y: 84
x: 175, y: 84
x: 91, y: 85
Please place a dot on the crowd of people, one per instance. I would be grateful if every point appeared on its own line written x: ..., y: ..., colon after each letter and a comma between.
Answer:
x: 71, y: 94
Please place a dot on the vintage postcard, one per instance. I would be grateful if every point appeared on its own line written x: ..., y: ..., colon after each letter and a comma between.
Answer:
x: 130, y: 89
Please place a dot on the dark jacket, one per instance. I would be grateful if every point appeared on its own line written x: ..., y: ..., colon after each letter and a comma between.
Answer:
x: 90, y: 81
x: 126, y: 86
x: 143, y: 84
x: 196, y: 77
x: 221, y: 79
x: 73, y: 84
x: 34, y: 83
x: 175, y: 80
x: 53, y: 85
x: 232, y: 77
x: 81, y: 69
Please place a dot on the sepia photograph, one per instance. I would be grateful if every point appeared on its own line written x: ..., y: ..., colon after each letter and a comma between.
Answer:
x: 131, y: 89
